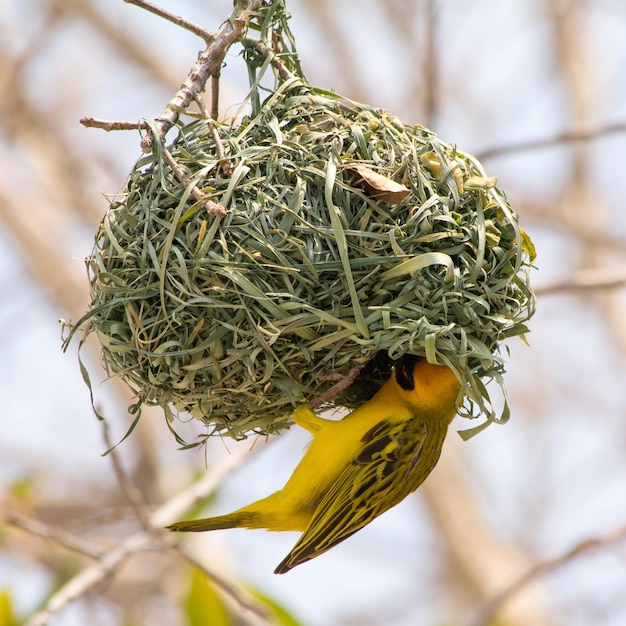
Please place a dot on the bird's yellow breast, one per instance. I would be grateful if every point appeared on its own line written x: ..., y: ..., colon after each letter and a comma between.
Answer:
x: 333, y: 447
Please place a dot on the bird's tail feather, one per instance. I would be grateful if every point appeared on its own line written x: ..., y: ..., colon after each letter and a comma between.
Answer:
x: 232, y: 520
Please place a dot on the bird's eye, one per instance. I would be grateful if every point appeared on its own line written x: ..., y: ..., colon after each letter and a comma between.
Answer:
x: 404, y: 371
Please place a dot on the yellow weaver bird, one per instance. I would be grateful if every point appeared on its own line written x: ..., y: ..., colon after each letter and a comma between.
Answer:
x: 356, y: 468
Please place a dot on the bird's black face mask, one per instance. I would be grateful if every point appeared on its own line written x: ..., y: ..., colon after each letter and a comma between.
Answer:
x: 404, y: 371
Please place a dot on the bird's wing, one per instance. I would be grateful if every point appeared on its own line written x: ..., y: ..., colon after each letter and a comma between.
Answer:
x: 380, y: 476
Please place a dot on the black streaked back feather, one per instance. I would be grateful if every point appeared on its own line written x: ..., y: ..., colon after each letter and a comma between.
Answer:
x: 395, y: 461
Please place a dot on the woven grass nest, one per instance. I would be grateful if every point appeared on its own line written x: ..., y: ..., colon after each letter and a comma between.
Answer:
x: 347, y: 238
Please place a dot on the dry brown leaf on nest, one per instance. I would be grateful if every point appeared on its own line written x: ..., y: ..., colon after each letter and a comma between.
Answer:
x: 379, y: 186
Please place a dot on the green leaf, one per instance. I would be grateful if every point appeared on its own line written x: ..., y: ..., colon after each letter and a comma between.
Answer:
x: 280, y: 616
x: 203, y: 605
x: 527, y: 245
x: 7, y: 618
x: 22, y: 490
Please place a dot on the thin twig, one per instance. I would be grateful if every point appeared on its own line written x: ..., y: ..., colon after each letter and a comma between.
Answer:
x: 53, y: 533
x: 88, y: 578
x: 218, y: 210
x: 219, y: 145
x: 109, y: 125
x: 203, y: 33
x: 126, y: 484
x: 221, y: 153
x: 595, y: 278
x: 344, y: 383
x: 215, y: 96
x: 577, y: 134
x: 139, y: 505
x: 134, y: 496
x: 265, y: 52
x: 208, y: 64
x: 227, y: 587
x: 111, y: 560
x: 430, y: 65
x: 204, y: 112
x: 543, y: 567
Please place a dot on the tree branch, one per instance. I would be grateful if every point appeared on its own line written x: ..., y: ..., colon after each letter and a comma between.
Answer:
x: 208, y: 64
x: 126, y: 484
x: 266, y: 53
x: 343, y: 383
x: 135, y: 497
x: 112, y: 559
x: 568, y: 136
x: 57, y: 535
x: 479, y: 557
x: 228, y: 588
x: 218, y: 210
x: 543, y: 567
x: 594, y: 278
x: 203, y: 33
x: 109, y: 125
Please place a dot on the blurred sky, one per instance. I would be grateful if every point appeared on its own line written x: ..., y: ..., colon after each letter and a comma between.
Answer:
x: 556, y: 474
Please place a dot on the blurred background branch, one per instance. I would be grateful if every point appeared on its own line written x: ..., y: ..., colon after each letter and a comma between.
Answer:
x: 489, y: 79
